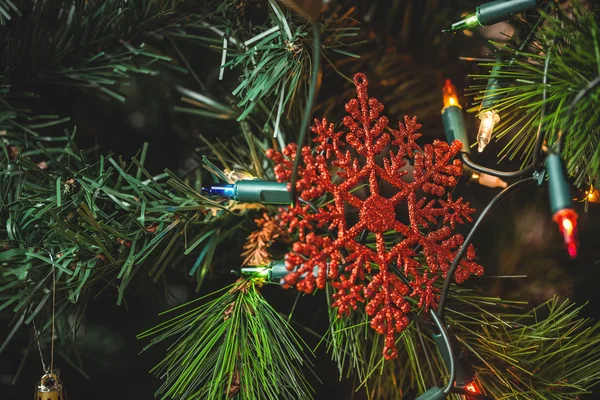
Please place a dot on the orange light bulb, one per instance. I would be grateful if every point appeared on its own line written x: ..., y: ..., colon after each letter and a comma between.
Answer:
x: 593, y: 195
x: 589, y: 196
x: 567, y: 224
x: 449, y: 95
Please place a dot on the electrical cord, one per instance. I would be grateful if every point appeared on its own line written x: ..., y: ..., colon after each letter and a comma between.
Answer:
x: 310, y: 204
x: 500, y: 174
x: 463, y: 250
x: 581, y: 95
x: 308, y: 110
x: 440, y: 325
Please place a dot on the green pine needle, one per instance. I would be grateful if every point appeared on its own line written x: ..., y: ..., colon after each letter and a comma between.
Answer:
x: 233, y: 346
x: 548, y: 352
x: 573, y: 64
x: 106, y: 221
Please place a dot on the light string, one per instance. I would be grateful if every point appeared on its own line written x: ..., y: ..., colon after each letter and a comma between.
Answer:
x: 442, y: 329
x: 463, y: 250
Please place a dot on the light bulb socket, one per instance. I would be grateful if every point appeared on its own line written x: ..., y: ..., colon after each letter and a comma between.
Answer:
x: 273, y: 272
x: 500, y: 10
x: 491, y: 13
x: 251, y: 191
x: 454, y: 126
x: 259, y: 191
x: 278, y: 271
x: 559, y: 189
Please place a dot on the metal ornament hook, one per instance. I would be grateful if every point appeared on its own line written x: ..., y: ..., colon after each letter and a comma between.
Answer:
x: 49, y: 388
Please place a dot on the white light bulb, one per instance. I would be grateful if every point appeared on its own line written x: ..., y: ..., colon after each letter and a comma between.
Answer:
x: 488, y: 120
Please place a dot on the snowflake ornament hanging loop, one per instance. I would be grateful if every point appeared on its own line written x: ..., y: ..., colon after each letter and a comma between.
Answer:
x: 360, y: 273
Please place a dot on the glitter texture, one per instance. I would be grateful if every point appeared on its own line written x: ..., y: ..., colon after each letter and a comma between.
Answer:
x: 367, y: 153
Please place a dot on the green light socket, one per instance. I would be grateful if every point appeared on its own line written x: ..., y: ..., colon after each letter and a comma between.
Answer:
x: 274, y: 272
x: 438, y: 338
x: 259, y: 191
x: 491, y: 13
x: 278, y: 271
x: 499, y: 10
x: 559, y: 189
x: 454, y: 126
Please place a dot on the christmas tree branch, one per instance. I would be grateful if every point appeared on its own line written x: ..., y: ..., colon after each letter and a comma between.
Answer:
x: 547, y: 352
x: 97, y: 221
x: 235, y: 345
x: 520, y: 99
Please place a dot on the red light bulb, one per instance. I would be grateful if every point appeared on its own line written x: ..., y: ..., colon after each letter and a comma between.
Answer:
x: 567, y: 225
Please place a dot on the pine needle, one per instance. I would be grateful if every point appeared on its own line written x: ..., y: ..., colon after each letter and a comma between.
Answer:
x: 573, y: 64
x: 235, y: 345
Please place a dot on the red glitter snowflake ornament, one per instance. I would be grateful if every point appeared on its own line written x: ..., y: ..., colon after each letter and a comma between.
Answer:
x: 367, y: 154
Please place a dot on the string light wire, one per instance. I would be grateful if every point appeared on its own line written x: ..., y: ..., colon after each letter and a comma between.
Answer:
x: 580, y: 96
x: 463, y: 250
x: 442, y: 329
x: 500, y: 174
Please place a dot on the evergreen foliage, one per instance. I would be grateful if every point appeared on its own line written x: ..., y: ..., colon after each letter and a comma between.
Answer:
x: 547, y: 352
x: 568, y: 36
x: 235, y: 345
x: 97, y: 221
